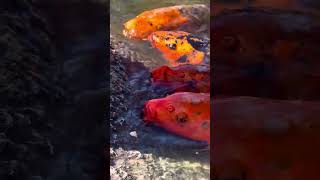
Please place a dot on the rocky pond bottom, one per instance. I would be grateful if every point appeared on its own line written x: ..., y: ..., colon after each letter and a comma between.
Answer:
x: 139, y: 151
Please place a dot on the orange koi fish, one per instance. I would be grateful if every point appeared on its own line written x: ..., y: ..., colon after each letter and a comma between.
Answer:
x: 195, y: 78
x: 166, y: 18
x: 179, y: 47
x: 266, y: 139
x: 185, y: 114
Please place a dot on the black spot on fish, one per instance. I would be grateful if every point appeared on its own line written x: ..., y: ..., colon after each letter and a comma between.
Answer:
x: 180, y: 37
x: 150, y: 23
x: 182, y: 118
x: 197, y: 43
x: 172, y: 46
x: 205, y: 125
x: 183, y: 59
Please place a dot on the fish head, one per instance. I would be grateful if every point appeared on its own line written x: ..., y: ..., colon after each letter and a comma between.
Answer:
x: 182, y: 73
x: 179, y: 47
x: 173, y: 44
x: 160, y: 111
x: 151, y: 21
x: 137, y: 28
x: 170, y: 114
x: 179, y: 112
x: 185, y: 114
x: 171, y: 41
x: 163, y: 73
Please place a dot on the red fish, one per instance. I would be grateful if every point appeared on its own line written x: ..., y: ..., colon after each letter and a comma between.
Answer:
x: 194, y: 78
x: 265, y: 139
x: 179, y: 47
x: 185, y: 114
x: 166, y: 18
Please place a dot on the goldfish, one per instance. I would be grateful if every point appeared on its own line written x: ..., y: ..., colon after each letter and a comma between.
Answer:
x: 194, y: 78
x: 165, y: 18
x: 185, y: 114
x: 179, y: 47
x: 256, y: 138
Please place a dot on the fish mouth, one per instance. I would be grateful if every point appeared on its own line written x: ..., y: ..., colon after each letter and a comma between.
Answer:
x: 125, y: 32
x: 128, y: 33
x: 148, y: 114
x: 154, y: 39
x: 151, y: 39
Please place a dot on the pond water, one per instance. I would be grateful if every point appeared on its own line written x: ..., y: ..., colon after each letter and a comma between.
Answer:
x: 174, y: 157
x: 122, y: 10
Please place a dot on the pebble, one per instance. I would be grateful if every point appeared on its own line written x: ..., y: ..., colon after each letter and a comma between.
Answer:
x: 133, y: 134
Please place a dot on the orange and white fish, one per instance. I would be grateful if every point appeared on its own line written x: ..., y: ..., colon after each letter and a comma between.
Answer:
x: 179, y: 47
x: 193, y: 78
x: 185, y: 114
x: 166, y: 18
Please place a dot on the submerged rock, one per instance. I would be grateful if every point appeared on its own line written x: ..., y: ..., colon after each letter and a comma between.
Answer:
x: 119, y: 88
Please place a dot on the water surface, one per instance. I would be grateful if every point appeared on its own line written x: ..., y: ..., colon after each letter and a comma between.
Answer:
x: 122, y: 10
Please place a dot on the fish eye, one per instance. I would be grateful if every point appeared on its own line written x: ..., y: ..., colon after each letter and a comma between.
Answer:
x: 171, y: 46
x: 205, y: 125
x: 170, y: 108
